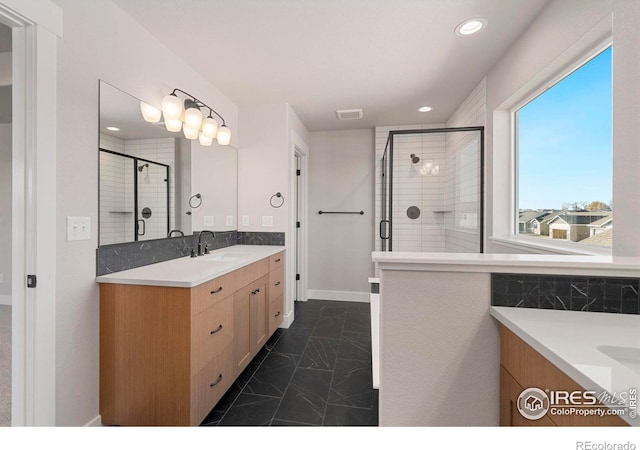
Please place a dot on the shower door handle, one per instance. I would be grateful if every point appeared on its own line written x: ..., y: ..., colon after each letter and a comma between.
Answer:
x: 380, y: 231
x: 144, y: 227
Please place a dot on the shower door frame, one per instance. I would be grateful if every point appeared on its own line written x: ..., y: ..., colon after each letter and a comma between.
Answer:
x: 135, y: 197
x: 389, y: 178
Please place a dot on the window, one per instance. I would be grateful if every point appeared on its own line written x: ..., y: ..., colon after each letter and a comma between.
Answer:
x: 564, y: 158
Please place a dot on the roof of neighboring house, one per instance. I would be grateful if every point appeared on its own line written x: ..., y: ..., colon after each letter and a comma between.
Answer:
x: 581, y: 217
x: 604, y: 239
x: 527, y: 216
x: 601, y: 222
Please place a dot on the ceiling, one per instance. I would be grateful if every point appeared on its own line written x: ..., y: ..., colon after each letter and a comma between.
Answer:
x: 388, y: 57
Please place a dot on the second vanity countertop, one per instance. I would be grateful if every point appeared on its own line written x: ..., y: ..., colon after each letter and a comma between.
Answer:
x: 576, y: 342
x: 187, y: 272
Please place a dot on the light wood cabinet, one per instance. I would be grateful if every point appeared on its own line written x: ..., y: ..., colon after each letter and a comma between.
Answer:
x: 522, y: 367
x: 276, y: 295
x: 167, y: 355
x: 250, y: 322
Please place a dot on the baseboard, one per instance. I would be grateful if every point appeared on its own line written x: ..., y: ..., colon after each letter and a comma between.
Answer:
x: 96, y: 422
x: 342, y: 296
x: 287, y: 320
x: 5, y: 300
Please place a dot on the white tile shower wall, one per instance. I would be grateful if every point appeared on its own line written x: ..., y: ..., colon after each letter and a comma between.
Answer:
x: 462, y: 174
x: 152, y: 194
x: 116, y: 204
x: 410, y: 188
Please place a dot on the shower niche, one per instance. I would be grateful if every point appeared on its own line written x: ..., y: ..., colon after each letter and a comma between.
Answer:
x: 134, y: 198
x: 430, y: 196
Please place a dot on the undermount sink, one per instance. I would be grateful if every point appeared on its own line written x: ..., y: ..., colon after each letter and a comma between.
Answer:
x: 226, y: 256
x: 627, y: 356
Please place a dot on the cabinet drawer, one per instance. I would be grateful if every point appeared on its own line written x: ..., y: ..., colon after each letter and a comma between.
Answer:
x: 212, y: 332
x: 210, y: 384
x: 276, y: 313
x: 276, y: 283
x: 276, y: 261
x: 209, y: 293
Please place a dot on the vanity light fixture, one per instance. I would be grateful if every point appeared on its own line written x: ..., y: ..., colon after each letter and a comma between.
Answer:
x: 150, y: 113
x: 187, y: 116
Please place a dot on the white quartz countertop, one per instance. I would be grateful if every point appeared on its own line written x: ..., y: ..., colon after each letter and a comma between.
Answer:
x: 188, y: 272
x: 574, y: 342
x: 626, y: 266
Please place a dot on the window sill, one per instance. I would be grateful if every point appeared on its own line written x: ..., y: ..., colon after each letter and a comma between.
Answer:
x: 533, y: 245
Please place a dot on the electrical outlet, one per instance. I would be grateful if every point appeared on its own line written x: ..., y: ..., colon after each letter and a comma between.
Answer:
x: 245, y: 221
x: 229, y: 221
x: 267, y: 221
x: 208, y: 221
x: 78, y: 228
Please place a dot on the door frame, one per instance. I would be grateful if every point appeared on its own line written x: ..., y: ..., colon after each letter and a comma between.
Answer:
x: 36, y: 26
x: 300, y: 150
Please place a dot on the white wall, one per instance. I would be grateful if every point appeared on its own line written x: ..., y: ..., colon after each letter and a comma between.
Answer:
x: 341, y: 169
x: 100, y: 41
x: 440, y: 352
x: 218, y: 188
x: 626, y: 123
x: 462, y: 172
x: 5, y: 212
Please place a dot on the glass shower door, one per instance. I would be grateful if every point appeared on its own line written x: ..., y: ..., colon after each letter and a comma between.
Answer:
x: 152, y: 200
x: 432, y: 191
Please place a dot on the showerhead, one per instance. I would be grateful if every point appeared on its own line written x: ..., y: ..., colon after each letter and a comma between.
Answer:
x: 414, y: 158
x: 142, y: 167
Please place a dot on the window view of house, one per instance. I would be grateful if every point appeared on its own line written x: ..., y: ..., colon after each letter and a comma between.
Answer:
x: 564, y: 158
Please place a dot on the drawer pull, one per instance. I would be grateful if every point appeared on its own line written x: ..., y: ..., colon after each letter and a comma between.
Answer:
x: 278, y: 260
x: 278, y: 283
x: 215, y: 383
x: 277, y: 314
x: 216, y: 291
x: 217, y: 330
x: 255, y: 292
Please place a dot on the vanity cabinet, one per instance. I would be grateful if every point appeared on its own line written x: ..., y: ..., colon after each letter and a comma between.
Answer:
x: 276, y: 292
x: 168, y: 354
x: 523, y: 367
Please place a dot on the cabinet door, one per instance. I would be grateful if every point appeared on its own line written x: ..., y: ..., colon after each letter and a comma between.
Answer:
x: 259, y: 315
x: 509, y: 414
x: 275, y: 314
x: 242, y: 328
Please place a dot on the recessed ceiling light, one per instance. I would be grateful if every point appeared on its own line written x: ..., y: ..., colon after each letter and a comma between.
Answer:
x: 113, y: 128
x: 471, y: 26
x: 425, y: 109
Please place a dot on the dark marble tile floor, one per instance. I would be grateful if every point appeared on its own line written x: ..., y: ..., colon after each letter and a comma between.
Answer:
x: 315, y: 373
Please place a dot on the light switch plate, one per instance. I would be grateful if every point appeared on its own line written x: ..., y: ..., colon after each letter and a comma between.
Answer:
x: 245, y: 221
x: 267, y: 221
x: 208, y: 221
x: 229, y: 221
x: 78, y: 228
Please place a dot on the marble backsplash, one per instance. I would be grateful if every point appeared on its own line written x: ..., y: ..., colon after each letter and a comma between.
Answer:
x: 118, y: 257
x: 573, y: 293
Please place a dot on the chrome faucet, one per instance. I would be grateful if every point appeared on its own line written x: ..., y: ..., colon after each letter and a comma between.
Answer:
x: 206, y: 248
x: 175, y: 231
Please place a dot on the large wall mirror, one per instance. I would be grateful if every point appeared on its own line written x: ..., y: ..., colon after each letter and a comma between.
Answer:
x: 155, y: 183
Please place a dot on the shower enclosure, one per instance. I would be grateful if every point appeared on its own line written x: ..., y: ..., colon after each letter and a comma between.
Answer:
x: 431, y: 191
x: 134, y: 198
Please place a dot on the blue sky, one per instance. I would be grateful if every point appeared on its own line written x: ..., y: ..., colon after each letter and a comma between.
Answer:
x: 565, y: 140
